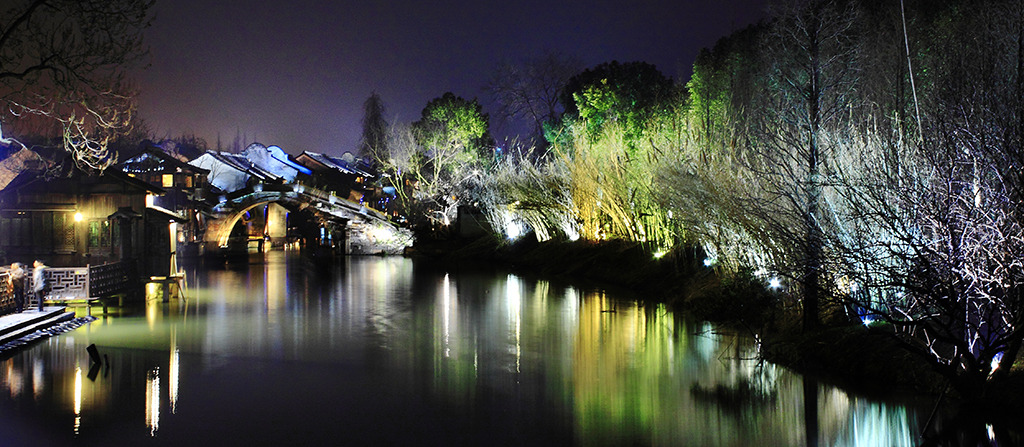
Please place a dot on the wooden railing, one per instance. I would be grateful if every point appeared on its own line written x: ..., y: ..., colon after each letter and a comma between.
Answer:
x: 6, y: 295
x: 112, y: 279
x: 72, y: 283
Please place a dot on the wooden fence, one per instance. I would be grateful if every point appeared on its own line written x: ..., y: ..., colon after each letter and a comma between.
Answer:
x: 73, y: 283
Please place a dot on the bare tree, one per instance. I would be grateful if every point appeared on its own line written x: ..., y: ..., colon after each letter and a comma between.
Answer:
x: 531, y: 90
x: 812, y: 45
x: 935, y: 229
x: 66, y: 61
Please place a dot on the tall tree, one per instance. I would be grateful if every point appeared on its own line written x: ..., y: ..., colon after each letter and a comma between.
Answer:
x: 811, y: 81
x: 453, y: 136
x: 66, y: 61
x: 375, y: 128
x: 453, y: 131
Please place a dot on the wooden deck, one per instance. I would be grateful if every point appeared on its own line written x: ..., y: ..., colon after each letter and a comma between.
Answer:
x: 88, y: 302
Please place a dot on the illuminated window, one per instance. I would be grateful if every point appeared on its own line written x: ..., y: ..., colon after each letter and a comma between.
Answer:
x: 167, y: 181
x: 99, y: 233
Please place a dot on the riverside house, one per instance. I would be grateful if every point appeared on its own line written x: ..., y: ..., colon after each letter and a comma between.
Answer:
x: 66, y: 217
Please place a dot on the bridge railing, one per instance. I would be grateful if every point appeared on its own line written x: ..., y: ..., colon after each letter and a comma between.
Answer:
x: 312, y: 191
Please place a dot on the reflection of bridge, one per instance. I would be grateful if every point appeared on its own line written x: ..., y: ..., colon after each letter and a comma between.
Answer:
x: 322, y: 219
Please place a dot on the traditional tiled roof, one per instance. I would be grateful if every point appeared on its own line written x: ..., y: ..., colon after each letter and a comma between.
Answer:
x: 241, y: 163
x: 17, y: 163
x: 336, y: 163
x: 155, y: 160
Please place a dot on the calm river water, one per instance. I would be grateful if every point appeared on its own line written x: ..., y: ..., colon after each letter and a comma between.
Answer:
x: 391, y: 351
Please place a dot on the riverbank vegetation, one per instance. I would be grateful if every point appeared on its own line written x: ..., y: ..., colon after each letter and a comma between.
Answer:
x: 843, y: 158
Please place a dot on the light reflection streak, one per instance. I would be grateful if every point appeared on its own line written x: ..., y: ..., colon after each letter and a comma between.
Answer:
x: 446, y: 296
x: 878, y: 424
x: 515, y: 302
x: 78, y: 398
x: 37, y: 378
x: 153, y: 400
x: 15, y: 380
x: 172, y: 373
x: 151, y: 310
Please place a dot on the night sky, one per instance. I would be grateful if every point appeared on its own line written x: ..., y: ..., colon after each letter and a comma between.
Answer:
x: 296, y: 73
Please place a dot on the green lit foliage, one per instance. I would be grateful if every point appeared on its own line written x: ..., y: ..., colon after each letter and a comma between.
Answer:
x: 722, y: 85
x: 613, y: 190
x: 629, y: 95
x: 453, y: 148
x: 451, y: 126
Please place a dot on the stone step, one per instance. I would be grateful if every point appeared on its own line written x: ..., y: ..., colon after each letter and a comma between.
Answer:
x: 15, y: 326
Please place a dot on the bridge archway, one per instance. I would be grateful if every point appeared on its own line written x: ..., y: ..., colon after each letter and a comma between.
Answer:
x: 329, y: 222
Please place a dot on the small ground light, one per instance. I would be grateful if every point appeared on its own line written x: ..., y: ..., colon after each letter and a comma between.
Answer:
x: 775, y: 283
x: 708, y: 262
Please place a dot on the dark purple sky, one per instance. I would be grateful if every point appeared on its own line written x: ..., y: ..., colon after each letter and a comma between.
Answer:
x: 296, y: 73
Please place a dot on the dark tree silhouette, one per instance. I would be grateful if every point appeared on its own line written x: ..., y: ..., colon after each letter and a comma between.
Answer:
x: 375, y: 128
x: 66, y: 61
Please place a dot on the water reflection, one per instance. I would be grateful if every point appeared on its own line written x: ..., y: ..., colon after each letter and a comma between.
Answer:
x: 386, y: 350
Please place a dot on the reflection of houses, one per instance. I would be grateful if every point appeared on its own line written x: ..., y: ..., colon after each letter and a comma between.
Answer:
x: 69, y: 218
x: 341, y: 175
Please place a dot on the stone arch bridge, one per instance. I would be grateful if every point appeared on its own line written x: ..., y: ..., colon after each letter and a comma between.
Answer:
x: 329, y: 222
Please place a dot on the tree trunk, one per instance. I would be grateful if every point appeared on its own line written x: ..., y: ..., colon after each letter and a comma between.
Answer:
x: 813, y: 238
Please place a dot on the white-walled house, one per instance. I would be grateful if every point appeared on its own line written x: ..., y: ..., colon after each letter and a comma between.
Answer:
x: 273, y: 159
x: 231, y: 172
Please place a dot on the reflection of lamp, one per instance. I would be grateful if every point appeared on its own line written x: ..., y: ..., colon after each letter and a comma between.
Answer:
x: 78, y: 217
